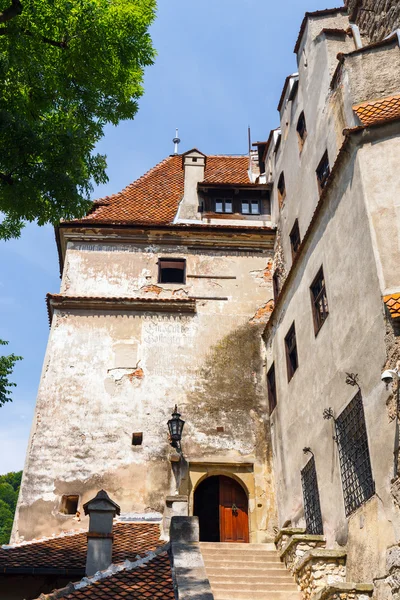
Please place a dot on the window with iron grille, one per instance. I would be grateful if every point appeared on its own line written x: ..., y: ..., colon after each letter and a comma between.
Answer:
x: 312, y: 506
x: 291, y: 352
x: 295, y: 238
x: 319, y: 300
x: 323, y: 171
x: 281, y: 188
x: 301, y: 130
x: 355, y: 463
x: 271, y: 389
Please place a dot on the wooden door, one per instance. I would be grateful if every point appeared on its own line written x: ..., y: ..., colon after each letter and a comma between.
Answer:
x: 233, y: 511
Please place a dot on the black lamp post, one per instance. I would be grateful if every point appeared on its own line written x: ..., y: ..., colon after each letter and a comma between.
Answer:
x: 175, y: 427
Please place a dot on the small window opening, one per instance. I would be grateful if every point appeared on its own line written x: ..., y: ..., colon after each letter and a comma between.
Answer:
x: 223, y: 205
x: 301, y: 130
x: 171, y: 270
x: 69, y: 505
x: 275, y: 283
x: 295, y: 239
x: 220, y: 429
x: 291, y: 352
x: 137, y: 439
x: 194, y: 159
x: 250, y: 207
x: 319, y: 301
x: 281, y: 189
x: 271, y: 389
x: 323, y: 172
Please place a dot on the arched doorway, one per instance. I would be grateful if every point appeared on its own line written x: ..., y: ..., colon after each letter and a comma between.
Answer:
x: 221, y: 504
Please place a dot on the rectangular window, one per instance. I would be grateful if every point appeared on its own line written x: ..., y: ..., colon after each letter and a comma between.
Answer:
x: 250, y: 207
x: 223, y: 205
x: 295, y: 238
x: 312, y: 506
x: 171, y: 270
x: 301, y: 130
x: 291, y: 352
x: 281, y: 189
x: 323, y: 172
x: 69, y: 505
x: 271, y: 389
x: 319, y: 300
x: 275, y: 284
x: 137, y: 439
x: 355, y: 463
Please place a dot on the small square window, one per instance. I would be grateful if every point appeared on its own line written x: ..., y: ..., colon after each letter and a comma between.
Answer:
x: 250, y: 207
x: 171, y: 270
x: 137, y: 439
x: 319, y: 300
x: 301, y: 130
x: 281, y: 188
x: 271, y: 389
x: 223, y: 205
x: 69, y: 505
x: 295, y: 238
x: 323, y: 172
x: 291, y: 352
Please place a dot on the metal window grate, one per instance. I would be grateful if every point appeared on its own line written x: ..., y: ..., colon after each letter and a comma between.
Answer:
x: 355, y: 463
x: 312, y: 506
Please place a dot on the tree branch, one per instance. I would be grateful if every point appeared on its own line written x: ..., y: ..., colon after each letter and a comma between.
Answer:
x: 12, y: 11
x: 63, y: 44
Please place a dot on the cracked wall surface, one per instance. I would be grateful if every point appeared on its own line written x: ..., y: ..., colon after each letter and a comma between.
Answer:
x: 376, y: 18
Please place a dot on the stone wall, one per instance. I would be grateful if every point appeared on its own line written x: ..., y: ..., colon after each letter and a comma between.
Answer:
x: 376, y: 18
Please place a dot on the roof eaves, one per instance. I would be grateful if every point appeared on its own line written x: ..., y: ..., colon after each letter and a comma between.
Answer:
x: 314, y: 14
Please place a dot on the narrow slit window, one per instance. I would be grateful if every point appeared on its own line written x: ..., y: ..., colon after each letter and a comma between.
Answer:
x: 323, y: 172
x: 319, y: 301
x: 301, y: 130
x: 295, y: 240
x: 292, y: 361
x: 281, y: 188
x: 275, y: 283
x: 272, y: 400
x: 171, y: 270
x: 69, y: 505
x: 137, y: 439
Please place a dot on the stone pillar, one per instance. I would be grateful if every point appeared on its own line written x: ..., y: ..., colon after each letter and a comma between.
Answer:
x: 101, y: 511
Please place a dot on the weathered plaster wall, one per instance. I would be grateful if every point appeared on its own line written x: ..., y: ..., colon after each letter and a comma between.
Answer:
x: 376, y: 18
x: 351, y: 340
x: 109, y: 374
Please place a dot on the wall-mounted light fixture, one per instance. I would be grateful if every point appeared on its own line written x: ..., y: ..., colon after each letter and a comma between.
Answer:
x: 175, y: 427
x: 391, y: 375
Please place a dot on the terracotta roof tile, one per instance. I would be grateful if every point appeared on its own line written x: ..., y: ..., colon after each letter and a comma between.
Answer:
x: 392, y: 302
x: 378, y: 111
x: 150, y: 581
x: 154, y: 198
x: 69, y: 551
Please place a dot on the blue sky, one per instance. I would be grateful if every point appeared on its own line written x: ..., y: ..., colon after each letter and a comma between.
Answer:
x: 221, y: 66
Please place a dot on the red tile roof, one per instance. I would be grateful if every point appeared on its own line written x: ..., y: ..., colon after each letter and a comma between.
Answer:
x: 377, y: 111
x: 392, y: 302
x: 154, y: 198
x: 69, y: 551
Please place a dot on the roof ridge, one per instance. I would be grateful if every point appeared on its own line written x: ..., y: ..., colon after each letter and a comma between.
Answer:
x: 63, y: 534
x: 113, y: 569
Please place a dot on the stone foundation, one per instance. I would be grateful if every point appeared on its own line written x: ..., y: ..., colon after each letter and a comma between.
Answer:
x: 296, y: 548
x: 319, y: 568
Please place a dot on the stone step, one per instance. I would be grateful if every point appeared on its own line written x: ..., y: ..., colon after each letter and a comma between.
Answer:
x: 247, y: 572
x: 237, y: 560
x: 261, y: 553
x: 236, y: 546
x: 249, y: 586
x: 253, y: 581
x: 239, y: 595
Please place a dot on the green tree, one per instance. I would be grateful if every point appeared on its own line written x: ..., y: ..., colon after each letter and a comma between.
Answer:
x: 8, y: 495
x: 9, y: 488
x: 6, y: 367
x: 67, y: 68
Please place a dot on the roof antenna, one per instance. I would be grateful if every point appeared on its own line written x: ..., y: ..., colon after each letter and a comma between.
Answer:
x: 249, y: 138
x: 176, y: 141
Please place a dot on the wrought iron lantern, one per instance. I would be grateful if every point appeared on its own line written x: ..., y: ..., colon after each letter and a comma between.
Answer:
x: 175, y: 427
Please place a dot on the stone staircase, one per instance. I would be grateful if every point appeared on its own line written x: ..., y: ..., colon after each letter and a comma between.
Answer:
x: 247, y: 572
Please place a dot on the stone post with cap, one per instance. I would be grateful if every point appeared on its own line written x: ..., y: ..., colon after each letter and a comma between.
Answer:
x: 101, y: 510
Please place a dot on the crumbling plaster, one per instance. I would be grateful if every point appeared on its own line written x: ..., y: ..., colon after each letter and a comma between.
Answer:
x: 110, y: 374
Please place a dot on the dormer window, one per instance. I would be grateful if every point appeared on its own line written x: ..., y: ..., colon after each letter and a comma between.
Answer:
x: 223, y: 205
x: 250, y: 207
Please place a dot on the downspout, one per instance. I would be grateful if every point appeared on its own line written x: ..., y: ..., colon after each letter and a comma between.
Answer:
x: 356, y: 35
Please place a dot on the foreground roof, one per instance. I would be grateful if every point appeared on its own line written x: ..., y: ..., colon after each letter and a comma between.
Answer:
x: 68, y: 551
x: 377, y: 111
x: 149, y: 579
x: 154, y: 198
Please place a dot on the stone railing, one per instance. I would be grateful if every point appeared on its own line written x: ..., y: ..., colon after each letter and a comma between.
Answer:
x: 345, y: 591
x: 284, y: 536
x: 320, y: 568
x: 297, y: 546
